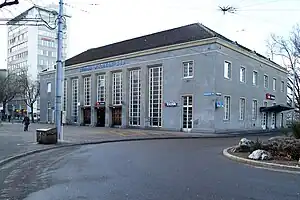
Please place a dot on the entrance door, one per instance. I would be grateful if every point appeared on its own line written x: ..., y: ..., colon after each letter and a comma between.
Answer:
x: 101, y: 117
x: 117, y: 116
x: 87, y: 116
x: 273, y: 120
x: 281, y: 120
x: 187, y: 113
x: 264, y: 119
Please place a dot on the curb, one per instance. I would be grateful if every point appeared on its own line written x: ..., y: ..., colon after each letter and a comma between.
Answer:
x: 266, y: 165
x: 64, y: 145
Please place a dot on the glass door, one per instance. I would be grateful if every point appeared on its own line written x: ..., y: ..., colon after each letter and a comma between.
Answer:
x: 187, y: 113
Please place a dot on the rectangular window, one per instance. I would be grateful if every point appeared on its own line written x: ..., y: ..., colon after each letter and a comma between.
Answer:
x: 75, y: 99
x: 242, y: 74
x: 282, y: 86
x: 155, y: 96
x: 274, y: 84
x: 87, y: 91
x: 65, y: 95
x: 227, y: 70
x: 266, y: 81
x: 254, y: 78
x: 134, y: 98
x: 101, y: 88
x: 188, y: 69
x: 226, y: 107
x: 117, y: 88
x: 254, y: 109
x: 48, y: 87
x: 242, y: 108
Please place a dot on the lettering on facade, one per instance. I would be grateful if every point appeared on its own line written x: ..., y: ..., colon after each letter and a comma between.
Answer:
x: 102, y: 66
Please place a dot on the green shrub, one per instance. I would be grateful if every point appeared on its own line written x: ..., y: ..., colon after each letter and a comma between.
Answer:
x: 285, y: 132
x: 296, y: 130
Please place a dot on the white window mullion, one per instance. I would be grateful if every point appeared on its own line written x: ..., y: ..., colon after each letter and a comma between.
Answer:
x: 65, y: 95
x: 155, y: 99
x: 75, y: 99
x: 87, y: 91
x: 117, y: 88
x: 101, y: 83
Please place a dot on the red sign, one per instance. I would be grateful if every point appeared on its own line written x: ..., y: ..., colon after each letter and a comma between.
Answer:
x: 270, y: 96
x: 99, y: 104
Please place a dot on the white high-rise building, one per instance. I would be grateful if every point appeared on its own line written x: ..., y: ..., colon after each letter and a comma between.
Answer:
x: 31, y: 48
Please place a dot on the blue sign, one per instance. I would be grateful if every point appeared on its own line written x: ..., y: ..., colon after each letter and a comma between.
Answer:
x: 219, y: 104
x: 208, y: 93
x: 102, y: 66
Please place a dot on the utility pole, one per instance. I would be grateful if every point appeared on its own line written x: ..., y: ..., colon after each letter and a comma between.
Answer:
x: 59, y: 73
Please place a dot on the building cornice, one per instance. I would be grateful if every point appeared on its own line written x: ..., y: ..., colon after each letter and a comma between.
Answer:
x: 176, y: 47
x: 250, y: 55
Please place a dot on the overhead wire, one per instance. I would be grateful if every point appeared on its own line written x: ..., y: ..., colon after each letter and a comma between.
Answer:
x: 264, y: 2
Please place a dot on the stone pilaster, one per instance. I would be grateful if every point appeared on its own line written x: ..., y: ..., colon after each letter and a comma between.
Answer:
x: 125, y: 97
x: 93, y: 99
x: 108, y: 100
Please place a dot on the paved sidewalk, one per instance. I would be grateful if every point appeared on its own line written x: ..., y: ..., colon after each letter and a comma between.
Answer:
x: 13, y: 140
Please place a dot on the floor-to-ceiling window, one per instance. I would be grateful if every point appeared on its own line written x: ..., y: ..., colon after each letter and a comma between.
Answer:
x: 101, y: 88
x: 75, y: 99
x: 134, y: 98
x: 117, y: 88
x: 155, y: 96
x: 87, y: 91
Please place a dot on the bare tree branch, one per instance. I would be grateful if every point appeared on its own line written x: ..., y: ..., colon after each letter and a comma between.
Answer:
x: 9, y: 3
x: 289, y: 50
x: 30, y: 91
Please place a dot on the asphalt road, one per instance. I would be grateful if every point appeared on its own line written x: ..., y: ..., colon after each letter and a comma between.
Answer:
x: 162, y: 169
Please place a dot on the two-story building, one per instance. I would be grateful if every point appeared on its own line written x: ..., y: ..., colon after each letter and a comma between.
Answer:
x: 188, y: 78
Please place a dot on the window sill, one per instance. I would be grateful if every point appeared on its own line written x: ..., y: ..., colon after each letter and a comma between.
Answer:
x: 188, y: 77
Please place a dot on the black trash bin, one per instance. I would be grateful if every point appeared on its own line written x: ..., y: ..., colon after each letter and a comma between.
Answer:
x: 46, y: 136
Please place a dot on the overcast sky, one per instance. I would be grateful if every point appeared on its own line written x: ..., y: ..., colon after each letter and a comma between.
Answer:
x: 116, y: 20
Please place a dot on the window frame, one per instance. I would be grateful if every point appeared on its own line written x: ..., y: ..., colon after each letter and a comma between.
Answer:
x: 87, y: 90
x: 188, y: 67
x: 244, y: 68
x: 274, y: 87
x: 256, y: 83
x: 242, y: 117
x: 266, y: 86
x: 282, y: 86
x: 49, y: 87
x: 229, y: 108
x: 101, y: 90
x: 229, y: 74
x: 254, y: 110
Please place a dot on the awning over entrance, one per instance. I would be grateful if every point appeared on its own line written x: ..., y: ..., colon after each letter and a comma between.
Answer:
x: 276, y: 108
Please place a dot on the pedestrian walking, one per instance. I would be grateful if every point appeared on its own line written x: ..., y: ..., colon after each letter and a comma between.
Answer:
x: 9, y: 118
x: 26, y: 122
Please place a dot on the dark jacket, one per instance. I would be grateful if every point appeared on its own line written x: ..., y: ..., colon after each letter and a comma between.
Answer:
x: 26, y: 120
